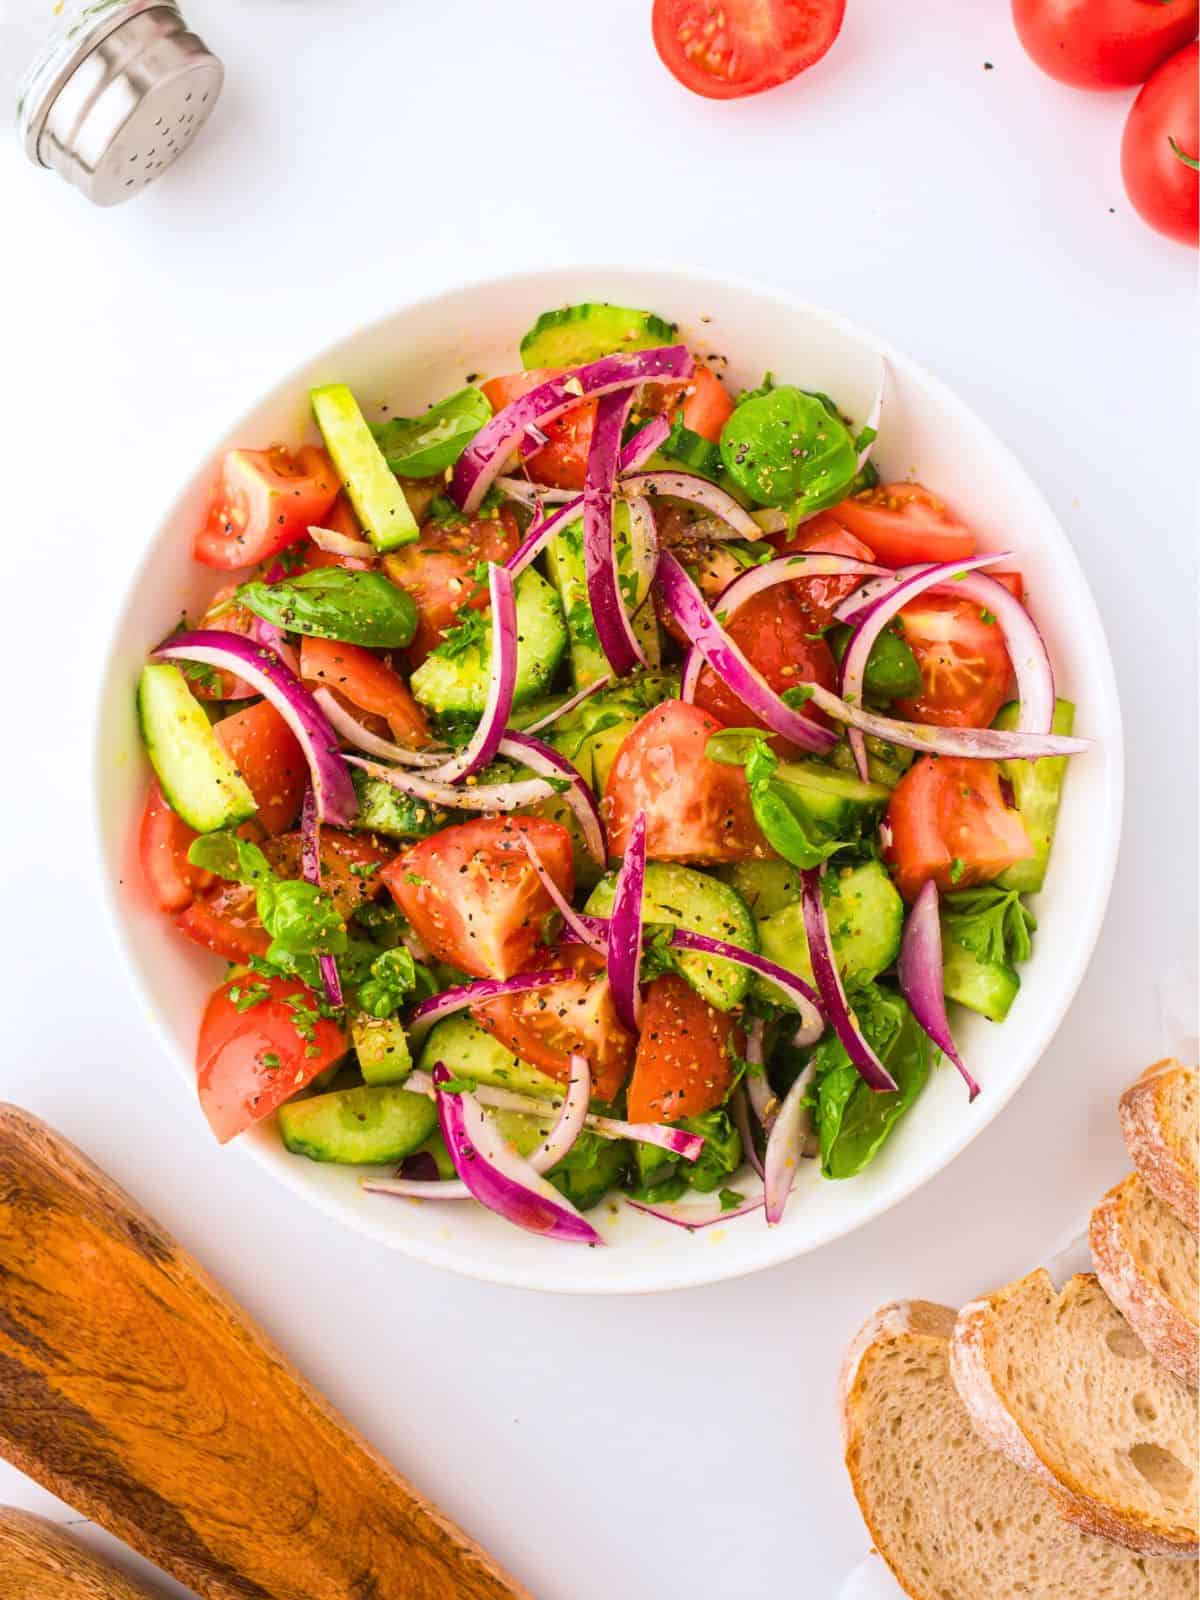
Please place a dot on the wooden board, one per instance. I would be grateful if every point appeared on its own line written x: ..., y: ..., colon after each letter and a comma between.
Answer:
x: 141, y: 1394
x: 39, y: 1561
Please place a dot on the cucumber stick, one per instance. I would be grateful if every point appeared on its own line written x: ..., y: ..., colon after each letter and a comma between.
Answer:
x: 373, y: 488
x: 565, y: 564
x: 198, y: 776
x: 1037, y: 788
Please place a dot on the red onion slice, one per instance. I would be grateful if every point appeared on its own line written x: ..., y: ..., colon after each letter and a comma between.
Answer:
x: 262, y: 668
x: 677, y: 1140
x: 797, y: 991
x: 697, y: 1214
x: 643, y: 548
x: 739, y: 1110
x: 697, y: 491
x: 484, y: 797
x: 571, y: 1117
x: 571, y: 918
x: 761, y: 1096
x: 784, y: 569
x: 618, y: 641
x: 341, y: 544
x: 541, y: 531
x: 576, y: 699
x: 310, y: 868
x: 498, y: 1177
x: 920, y: 972
x: 871, y: 622
x: 477, y: 993
x: 484, y: 458
x: 644, y: 443
x: 362, y: 738
x: 688, y: 607
x: 419, y: 1188
x: 790, y: 1133
x: 484, y: 742
x: 873, y: 421
x: 986, y: 744
x: 829, y: 982
x: 531, y: 494
x: 624, y: 944
x: 557, y: 769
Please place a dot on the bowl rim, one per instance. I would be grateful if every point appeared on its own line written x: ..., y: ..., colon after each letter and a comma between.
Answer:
x: 774, y: 1246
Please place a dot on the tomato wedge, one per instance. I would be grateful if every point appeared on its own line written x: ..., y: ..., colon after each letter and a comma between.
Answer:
x: 366, y: 682
x: 949, y: 821
x: 270, y: 759
x: 905, y: 522
x: 350, y: 865
x: 742, y: 47
x: 696, y: 809
x: 473, y: 896
x: 261, y: 1041
x: 562, y: 462
x: 683, y: 1065
x: 265, y: 501
x: 965, y: 669
x: 163, y: 843
x: 547, y: 1026
x: 820, y: 597
x: 438, y: 571
x: 224, y: 919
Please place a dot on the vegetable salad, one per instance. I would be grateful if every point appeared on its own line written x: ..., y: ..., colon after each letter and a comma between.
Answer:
x: 598, y: 783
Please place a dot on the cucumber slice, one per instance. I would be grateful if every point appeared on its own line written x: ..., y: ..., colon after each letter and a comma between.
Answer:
x: 1037, y: 789
x: 586, y: 1173
x: 989, y: 987
x: 470, y: 1051
x: 367, y: 1126
x: 565, y: 564
x: 382, y: 1048
x: 573, y: 335
x: 681, y: 897
x: 200, y: 780
x: 842, y: 805
x: 459, y: 683
x: 374, y: 492
x: 866, y: 917
x: 765, y: 886
x: 892, y: 671
x: 383, y: 809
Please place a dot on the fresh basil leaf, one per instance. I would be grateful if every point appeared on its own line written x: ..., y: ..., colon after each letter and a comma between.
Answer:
x: 229, y: 856
x: 892, y: 670
x: 301, y: 919
x: 392, y: 979
x: 336, y: 603
x: 852, y: 1120
x: 784, y: 448
x: 722, y: 1152
x: 421, y: 447
x: 787, y: 827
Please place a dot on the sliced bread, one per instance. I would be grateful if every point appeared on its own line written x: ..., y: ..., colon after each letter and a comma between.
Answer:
x: 951, y: 1518
x: 1160, y: 1118
x: 1148, y: 1264
x: 1061, y: 1384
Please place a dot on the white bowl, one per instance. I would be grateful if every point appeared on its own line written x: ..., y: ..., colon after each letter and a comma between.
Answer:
x: 426, y: 350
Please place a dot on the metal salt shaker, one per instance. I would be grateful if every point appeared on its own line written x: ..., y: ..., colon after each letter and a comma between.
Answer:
x: 116, y: 96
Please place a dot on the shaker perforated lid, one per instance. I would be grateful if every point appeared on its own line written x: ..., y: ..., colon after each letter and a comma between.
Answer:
x: 117, y: 97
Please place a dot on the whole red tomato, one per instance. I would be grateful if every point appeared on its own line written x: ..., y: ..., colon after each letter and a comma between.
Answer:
x: 1160, y: 146
x: 1103, y: 44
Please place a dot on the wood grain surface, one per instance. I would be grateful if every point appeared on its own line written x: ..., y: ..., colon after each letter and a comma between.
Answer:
x: 141, y: 1394
x: 39, y: 1561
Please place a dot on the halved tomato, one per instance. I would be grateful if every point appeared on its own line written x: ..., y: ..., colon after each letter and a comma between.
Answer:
x: 261, y: 1041
x: 820, y: 597
x: 546, y: 1026
x: 438, y: 571
x: 697, y: 810
x: 367, y: 683
x: 473, y: 896
x: 965, y: 670
x: 683, y: 1065
x: 742, y: 46
x: 903, y: 523
x: 214, y: 683
x: 269, y: 757
x: 707, y: 404
x: 163, y: 843
x: 266, y: 500
x: 949, y: 821
x: 776, y: 636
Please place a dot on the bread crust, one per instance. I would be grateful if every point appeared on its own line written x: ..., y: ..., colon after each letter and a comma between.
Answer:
x: 1145, y: 1116
x: 971, y: 1370
x: 1166, y: 1332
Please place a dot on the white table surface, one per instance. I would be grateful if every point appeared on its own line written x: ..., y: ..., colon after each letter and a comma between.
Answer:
x: 364, y: 154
